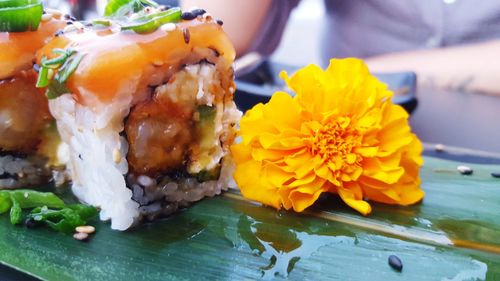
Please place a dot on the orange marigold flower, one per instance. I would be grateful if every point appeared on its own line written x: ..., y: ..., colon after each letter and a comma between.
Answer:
x: 340, y: 133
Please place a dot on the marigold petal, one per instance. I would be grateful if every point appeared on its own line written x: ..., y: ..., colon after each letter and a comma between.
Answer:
x: 350, y: 199
x: 276, y: 175
x: 306, y: 195
x: 253, y: 186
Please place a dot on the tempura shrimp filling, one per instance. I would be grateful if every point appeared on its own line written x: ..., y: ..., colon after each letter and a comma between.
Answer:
x: 177, y: 139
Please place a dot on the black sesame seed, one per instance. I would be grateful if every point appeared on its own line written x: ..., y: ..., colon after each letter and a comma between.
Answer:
x: 31, y: 223
x: 69, y: 22
x: 395, y: 263
x: 188, y: 16
x: 187, y: 35
x: 495, y: 175
x: 59, y: 32
x: 67, y: 17
x: 198, y: 12
x: 220, y: 22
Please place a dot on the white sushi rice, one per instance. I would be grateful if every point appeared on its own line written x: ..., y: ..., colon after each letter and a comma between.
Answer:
x: 97, y: 179
x: 96, y: 159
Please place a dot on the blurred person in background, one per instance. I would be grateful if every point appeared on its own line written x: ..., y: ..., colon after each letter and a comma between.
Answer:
x: 452, y: 44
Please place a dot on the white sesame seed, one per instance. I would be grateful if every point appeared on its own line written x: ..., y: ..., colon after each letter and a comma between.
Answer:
x: 117, y: 156
x: 56, y: 13
x: 145, y: 180
x: 50, y: 74
x: 157, y: 63
x: 207, y: 16
x: 81, y: 236
x: 168, y: 27
x: 439, y: 147
x: 69, y: 28
x: 78, y: 25
x: 88, y: 229
x: 46, y: 17
x: 464, y: 170
x: 26, y: 195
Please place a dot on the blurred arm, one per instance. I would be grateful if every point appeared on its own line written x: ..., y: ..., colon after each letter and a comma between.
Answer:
x: 242, y: 18
x: 468, y: 68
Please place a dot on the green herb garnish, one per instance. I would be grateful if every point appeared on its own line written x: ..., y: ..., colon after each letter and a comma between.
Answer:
x: 61, y: 217
x: 152, y: 22
x: 63, y: 220
x: 65, y: 64
x: 120, y: 8
x: 20, y: 15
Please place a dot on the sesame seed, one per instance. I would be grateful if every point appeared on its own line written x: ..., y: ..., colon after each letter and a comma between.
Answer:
x: 50, y: 74
x: 198, y: 12
x: 188, y: 16
x: 465, y: 170
x: 87, y: 229
x: 207, y: 17
x: 60, y: 32
x: 117, y: 156
x: 158, y: 63
x: 55, y: 13
x: 395, y: 263
x: 220, y: 22
x: 439, y: 148
x: 187, y: 35
x: 69, y: 28
x: 168, y: 27
x: 46, y: 17
x: 81, y: 236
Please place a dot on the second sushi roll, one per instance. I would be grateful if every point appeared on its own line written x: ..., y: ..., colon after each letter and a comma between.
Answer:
x: 147, y: 113
x: 28, y: 137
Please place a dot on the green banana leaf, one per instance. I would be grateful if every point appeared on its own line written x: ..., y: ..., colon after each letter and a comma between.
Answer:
x: 453, y: 235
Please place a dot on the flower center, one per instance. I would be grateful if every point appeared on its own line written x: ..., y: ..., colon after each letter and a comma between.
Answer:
x: 335, y: 141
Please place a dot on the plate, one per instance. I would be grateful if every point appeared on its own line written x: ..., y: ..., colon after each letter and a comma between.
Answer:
x: 452, y: 235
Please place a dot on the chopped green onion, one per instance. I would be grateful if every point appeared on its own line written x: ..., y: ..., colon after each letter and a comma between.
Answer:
x: 20, y: 15
x: 68, y: 68
x: 119, y: 8
x: 42, y: 80
x: 65, y: 64
x: 154, y: 21
x: 16, y: 213
x: 103, y: 22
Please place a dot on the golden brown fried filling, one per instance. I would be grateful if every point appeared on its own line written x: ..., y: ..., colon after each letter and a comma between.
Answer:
x: 24, y: 114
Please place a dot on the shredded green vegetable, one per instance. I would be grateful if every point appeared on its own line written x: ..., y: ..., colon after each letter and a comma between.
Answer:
x: 65, y: 64
x: 62, y: 217
x: 120, y: 8
x: 152, y: 22
x: 64, y: 220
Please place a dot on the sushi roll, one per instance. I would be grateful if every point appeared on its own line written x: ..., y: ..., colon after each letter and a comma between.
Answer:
x: 28, y: 138
x: 146, y: 109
